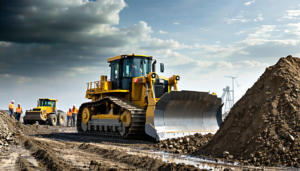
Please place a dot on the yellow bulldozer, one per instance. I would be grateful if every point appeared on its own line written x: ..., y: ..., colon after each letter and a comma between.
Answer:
x: 136, y: 101
x: 46, y: 110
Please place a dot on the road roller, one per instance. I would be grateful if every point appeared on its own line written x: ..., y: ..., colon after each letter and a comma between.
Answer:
x: 45, y: 111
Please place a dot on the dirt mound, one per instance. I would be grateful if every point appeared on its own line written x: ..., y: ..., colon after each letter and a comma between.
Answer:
x: 263, y: 127
x: 186, y: 145
x: 6, y: 122
x: 7, y: 132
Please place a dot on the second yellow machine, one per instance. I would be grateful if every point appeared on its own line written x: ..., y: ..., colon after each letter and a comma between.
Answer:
x: 137, y: 101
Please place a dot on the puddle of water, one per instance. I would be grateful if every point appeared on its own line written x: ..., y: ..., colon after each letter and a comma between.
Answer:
x: 200, y: 162
x: 30, y: 160
x: 170, y: 158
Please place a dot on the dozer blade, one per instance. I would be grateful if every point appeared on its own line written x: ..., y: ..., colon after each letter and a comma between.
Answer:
x: 34, y: 116
x: 181, y: 113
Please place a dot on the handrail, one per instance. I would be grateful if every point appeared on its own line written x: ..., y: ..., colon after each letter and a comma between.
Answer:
x: 94, y: 84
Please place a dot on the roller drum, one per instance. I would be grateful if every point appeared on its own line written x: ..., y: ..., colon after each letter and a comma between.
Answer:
x: 34, y: 116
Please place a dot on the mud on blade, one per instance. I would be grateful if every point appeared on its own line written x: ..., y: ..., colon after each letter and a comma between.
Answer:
x: 181, y: 113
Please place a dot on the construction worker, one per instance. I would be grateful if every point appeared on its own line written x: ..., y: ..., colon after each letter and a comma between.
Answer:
x: 74, y: 115
x: 69, y: 116
x: 11, y: 108
x: 136, y: 72
x: 18, y: 112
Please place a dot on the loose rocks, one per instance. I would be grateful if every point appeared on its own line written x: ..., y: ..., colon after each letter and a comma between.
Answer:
x: 187, y: 144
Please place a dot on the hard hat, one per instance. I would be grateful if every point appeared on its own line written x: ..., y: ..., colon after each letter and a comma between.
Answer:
x: 70, y: 108
x: 19, y: 104
x: 73, y: 104
x: 12, y: 101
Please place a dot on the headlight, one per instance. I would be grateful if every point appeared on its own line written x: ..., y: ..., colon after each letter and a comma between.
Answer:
x: 177, y: 78
x: 153, y: 75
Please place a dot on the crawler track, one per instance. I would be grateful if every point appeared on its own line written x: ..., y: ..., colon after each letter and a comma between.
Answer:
x: 138, y: 116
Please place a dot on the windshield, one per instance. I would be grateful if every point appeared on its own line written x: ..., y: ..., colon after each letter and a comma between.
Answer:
x: 136, y: 67
x: 45, y: 103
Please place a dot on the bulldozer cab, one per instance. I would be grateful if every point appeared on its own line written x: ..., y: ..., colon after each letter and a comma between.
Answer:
x: 127, y: 67
x: 47, y: 104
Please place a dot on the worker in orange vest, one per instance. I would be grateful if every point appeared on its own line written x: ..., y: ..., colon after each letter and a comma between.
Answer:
x: 18, y: 112
x: 11, y: 108
x: 69, y: 116
x: 74, y: 115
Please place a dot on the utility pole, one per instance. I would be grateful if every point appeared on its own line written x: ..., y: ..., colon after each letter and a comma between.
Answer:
x: 232, y: 87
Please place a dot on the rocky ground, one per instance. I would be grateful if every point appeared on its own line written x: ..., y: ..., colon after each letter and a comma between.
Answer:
x: 185, y: 145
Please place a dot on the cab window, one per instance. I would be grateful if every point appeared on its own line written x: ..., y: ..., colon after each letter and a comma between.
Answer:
x: 136, y: 67
x: 116, y: 72
x: 45, y: 103
x: 53, y: 104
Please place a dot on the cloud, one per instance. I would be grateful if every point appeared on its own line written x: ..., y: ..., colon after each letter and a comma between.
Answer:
x: 264, y: 37
x: 176, y: 23
x: 212, y: 69
x: 292, y: 14
x: 84, y: 47
x: 161, y: 32
x: 250, y: 2
x: 251, y: 64
x: 240, y: 32
x: 216, y: 51
x: 238, y: 18
x: 293, y: 29
x: 53, y: 21
x: 156, y: 44
x: 263, y: 31
x: 260, y: 17
x: 50, y: 41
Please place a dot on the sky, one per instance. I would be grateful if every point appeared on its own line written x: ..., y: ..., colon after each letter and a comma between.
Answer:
x: 52, y: 48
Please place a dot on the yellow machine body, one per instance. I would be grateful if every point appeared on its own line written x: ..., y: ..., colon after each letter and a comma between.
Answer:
x: 44, y: 108
x: 135, y: 104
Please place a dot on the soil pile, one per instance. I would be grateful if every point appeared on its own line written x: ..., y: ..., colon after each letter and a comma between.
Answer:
x: 263, y: 127
x: 186, y: 145
x: 6, y: 122
x: 7, y: 132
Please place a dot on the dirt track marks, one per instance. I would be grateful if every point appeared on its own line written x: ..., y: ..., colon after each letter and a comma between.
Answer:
x: 45, y: 155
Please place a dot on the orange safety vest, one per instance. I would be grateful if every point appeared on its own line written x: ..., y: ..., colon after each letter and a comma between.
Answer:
x: 74, y: 110
x: 19, y: 110
x: 11, y: 106
x: 69, y: 113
